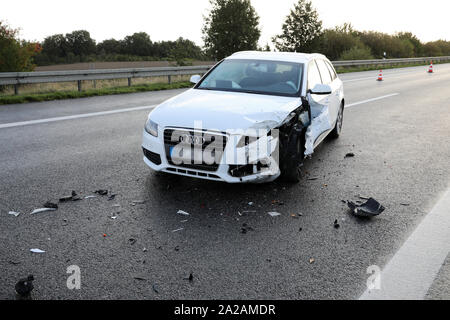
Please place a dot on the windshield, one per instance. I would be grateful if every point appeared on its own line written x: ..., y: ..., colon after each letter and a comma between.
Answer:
x: 255, y: 76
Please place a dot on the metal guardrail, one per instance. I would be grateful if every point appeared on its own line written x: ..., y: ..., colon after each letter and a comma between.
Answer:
x: 18, y: 78
x: 389, y: 62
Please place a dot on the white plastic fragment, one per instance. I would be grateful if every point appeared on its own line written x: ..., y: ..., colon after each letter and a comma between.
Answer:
x: 42, y: 210
x: 176, y: 230
x: 274, y: 214
x: 15, y: 214
x: 90, y: 197
x: 37, y: 251
x: 184, y: 213
x: 114, y: 217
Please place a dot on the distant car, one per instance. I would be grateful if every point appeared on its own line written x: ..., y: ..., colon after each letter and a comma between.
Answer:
x: 253, y: 117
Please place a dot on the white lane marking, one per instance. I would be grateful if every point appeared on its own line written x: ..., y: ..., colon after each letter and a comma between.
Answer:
x: 412, y: 270
x: 77, y: 116
x: 373, y: 99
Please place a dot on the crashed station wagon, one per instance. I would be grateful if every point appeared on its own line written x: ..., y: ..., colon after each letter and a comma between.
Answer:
x: 255, y: 116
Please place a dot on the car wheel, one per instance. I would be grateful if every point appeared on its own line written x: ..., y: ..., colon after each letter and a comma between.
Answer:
x: 339, y: 121
x: 291, y: 165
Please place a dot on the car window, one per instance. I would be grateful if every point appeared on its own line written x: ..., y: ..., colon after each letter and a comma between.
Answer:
x: 255, y: 76
x: 331, y: 69
x: 324, y: 72
x: 313, y: 75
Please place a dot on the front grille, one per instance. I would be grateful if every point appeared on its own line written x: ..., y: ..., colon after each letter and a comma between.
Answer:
x: 153, y: 157
x: 216, y: 140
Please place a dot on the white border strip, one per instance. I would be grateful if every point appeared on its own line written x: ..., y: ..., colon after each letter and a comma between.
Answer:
x: 77, y: 116
x: 412, y: 270
x: 370, y: 100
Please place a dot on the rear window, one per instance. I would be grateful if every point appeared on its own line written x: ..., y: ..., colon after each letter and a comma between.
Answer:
x: 324, y: 72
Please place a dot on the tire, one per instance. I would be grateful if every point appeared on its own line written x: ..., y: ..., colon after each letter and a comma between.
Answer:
x: 292, y: 161
x: 339, y: 121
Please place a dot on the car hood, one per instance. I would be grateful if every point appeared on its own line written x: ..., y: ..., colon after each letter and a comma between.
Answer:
x: 224, y: 111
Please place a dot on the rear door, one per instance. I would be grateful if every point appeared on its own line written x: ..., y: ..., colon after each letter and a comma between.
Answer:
x: 321, y: 118
x: 330, y: 79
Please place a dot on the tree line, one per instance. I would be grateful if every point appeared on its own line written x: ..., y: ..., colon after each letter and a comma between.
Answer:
x: 78, y: 46
x: 230, y: 26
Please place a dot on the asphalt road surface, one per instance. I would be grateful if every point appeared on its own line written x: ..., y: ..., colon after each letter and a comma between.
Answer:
x: 398, y: 129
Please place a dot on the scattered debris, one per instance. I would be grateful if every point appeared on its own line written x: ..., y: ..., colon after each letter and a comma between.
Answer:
x: 336, y: 224
x: 101, y: 192
x: 369, y: 209
x: 349, y: 155
x: 312, y: 260
x: 140, y: 278
x: 145, y: 249
x: 50, y: 205
x: 404, y: 204
x: 135, y: 202
x: 190, y: 278
x: 300, y: 229
x: 42, y: 210
x: 73, y: 197
x: 176, y: 230
x: 245, y: 228
x: 250, y: 203
x: 15, y: 214
x: 111, y: 197
x: 183, y: 221
x: 184, y: 213
x: 25, y: 286
x: 280, y: 203
x: 274, y: 214
x: 363, y: 197
x: 313, y: 178
x: 177, y: 248
x: 155, y: 288
x: 37, y: 251
x: 114, y: 217
x: 132, y: 241
x: 90, y: 197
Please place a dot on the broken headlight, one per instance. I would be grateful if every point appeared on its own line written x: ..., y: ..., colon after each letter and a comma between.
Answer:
x: 151, y: 127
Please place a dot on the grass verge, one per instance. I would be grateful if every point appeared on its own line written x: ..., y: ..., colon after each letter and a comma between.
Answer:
x: 38, y: 97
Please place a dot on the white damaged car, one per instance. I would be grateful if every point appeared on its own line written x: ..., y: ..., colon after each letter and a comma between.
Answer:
x: 253, y: 117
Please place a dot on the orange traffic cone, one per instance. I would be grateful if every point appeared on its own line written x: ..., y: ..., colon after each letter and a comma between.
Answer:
x: 430, y: 69
x: 380, y: 76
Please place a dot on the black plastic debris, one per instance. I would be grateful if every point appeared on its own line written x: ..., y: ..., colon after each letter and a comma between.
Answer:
x: 245, y: 228
x: 369, y: 209
x: 50, y: 205
x: 25, y: 286
x: 73, y: 197
x: 132, y: 241
x: 101, y: 192
x: 190, y: 278
x: 336, y: 224
x: 111, y: 197
x: 155, y: 288
x: 139, y: 278
x: 349, y: 155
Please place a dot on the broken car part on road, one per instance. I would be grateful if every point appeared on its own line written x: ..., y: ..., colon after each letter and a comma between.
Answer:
x: 367, y: 210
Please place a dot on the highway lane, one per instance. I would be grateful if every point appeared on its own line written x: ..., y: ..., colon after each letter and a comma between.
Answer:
x: 402, y: 147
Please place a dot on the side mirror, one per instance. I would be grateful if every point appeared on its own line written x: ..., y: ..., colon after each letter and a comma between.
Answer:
x: 196, y: 78
x: 320, y: 89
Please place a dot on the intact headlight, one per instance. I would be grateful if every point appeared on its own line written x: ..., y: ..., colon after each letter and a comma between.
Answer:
x: 151, y: 128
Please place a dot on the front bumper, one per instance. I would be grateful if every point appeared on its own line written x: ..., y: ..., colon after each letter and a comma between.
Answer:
x: 155, y: 157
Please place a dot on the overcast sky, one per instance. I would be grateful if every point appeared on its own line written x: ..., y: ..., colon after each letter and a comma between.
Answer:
x: 170, y: 19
